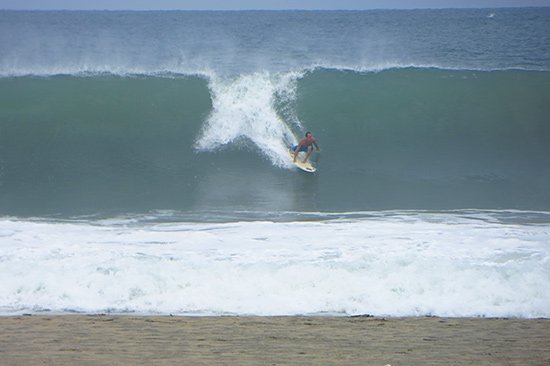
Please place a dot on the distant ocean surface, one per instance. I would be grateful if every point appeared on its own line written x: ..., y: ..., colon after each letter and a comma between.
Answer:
x: 143, y: 163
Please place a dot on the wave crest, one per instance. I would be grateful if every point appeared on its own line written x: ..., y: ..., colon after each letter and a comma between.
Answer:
x: 245, y: 108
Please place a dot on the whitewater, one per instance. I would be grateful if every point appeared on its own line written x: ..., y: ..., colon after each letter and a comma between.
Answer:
x: 143, y: 163
x: 389, y: 263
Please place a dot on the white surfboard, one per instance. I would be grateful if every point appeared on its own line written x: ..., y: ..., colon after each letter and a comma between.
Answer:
x: 306, y: 167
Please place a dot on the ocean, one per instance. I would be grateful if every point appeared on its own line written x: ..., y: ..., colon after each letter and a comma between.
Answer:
x: 144, y: 167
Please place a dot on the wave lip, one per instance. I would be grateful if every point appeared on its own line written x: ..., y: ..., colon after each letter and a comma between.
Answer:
x: 217, y: 75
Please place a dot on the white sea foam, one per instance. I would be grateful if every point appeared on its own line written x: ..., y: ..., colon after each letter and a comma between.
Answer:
x: 244, y: 110
x: 401, y: 265
x: 88, y: 70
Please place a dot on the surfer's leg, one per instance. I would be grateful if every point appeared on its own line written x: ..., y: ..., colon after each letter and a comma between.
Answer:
x: 309, y: 150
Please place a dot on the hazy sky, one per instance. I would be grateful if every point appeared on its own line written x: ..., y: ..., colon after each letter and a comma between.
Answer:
x: 261, y: 4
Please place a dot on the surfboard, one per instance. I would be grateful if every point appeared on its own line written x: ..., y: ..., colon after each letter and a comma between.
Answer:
x: 306, y: 167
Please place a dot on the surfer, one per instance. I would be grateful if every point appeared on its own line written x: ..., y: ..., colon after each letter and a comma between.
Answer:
x: 305, y: 145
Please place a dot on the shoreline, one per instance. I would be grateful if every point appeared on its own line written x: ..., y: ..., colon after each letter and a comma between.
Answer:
x: 251, y: 340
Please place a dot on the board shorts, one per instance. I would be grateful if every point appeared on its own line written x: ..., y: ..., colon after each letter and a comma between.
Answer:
x: 302, y: 149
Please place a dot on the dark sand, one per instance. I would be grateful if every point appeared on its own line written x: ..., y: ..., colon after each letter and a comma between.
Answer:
x: 166, y: 340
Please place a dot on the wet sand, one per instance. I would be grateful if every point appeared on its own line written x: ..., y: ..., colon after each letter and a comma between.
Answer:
x: 168, y: 340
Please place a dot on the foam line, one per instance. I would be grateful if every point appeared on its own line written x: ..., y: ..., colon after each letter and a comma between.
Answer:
x: 407, y: 264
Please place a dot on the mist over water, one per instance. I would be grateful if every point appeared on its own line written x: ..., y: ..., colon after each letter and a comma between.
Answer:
x: 143, y: 163
x: 234, y: 43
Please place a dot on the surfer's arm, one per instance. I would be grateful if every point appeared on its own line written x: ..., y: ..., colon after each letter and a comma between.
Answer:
x: 316, y: 146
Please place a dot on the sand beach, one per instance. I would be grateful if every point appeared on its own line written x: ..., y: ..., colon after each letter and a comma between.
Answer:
x: 171, y: 340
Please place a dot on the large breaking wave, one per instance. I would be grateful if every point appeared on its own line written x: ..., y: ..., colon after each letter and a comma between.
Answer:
x: 400, y: 138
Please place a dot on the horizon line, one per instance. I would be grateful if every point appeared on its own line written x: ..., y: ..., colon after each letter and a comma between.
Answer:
x: 289, y: 9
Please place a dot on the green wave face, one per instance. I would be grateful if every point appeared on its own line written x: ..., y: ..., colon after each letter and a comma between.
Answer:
x: 397, y: 139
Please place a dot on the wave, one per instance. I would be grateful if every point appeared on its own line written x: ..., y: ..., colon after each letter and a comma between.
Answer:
x: 396, y: 264
x: 150, y: 148
x: 208, y: 73
x: 400, y: 138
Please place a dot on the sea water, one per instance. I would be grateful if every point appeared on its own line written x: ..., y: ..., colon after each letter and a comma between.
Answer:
x: 143, y: 163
